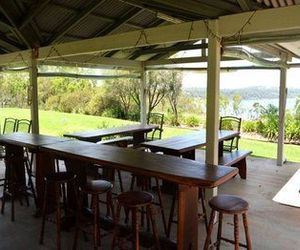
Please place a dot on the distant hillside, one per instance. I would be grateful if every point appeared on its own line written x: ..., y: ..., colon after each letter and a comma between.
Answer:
x: 246, y: 93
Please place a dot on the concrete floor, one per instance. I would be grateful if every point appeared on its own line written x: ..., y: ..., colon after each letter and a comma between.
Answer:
x: 272, y: 226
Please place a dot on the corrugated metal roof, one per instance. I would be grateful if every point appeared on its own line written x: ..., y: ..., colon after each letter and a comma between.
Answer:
x: 110, y: 17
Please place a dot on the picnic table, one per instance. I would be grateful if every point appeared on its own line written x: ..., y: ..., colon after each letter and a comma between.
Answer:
x: 185, y: 145
x: 138, y: 132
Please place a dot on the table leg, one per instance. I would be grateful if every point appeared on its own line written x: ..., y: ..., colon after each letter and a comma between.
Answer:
x: 15, y: 157
x: 190, y: 154
x: 187, y: 228
x: 138, y: 137
x: 45, y: 164
x: 221, y: 143
x: 80, y: 169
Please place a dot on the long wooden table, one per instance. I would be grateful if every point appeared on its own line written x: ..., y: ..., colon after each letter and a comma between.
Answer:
x: 14, y: 145
x: 188, y: 174
x: 138, y: 132
x: 185, y: 145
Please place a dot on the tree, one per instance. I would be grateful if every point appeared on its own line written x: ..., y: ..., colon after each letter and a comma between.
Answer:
x: 236, y: 104
x: 125, y: 91
x: 174, y: 91
x: 156, y: 87
x: 224, y: 103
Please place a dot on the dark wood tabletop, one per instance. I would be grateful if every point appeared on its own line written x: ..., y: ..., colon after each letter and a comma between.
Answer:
x: 29, y: 140
x: 170, y: 168
x: 96, y: 135
x: 184, y: 143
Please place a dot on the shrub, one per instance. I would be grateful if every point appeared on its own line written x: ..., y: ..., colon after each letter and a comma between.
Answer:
x: 249, y: 126
x: 192, y: 121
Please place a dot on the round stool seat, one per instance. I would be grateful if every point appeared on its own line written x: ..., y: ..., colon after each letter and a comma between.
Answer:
x: 60, y: 177
x: 135, y: 198
x: 229, y: 204
x: 97, y: 187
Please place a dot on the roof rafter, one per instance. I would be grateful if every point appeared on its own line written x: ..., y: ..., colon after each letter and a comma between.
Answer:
x: 101, y: 17
x: 33, y: 11
x: 245, y: 5
x: 229, y: 25
x: 15, y: 29
x: 75, y: 20
x: 157, y: 7
x: 133, y: 12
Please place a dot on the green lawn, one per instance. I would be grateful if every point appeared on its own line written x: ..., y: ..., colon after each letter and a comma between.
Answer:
x: 56, y: 123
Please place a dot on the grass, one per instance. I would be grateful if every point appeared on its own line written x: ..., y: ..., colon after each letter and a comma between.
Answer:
x: 57, y: 123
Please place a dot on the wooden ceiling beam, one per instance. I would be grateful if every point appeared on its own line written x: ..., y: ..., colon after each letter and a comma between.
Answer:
x: 74, y: 21
x: 174, y: 48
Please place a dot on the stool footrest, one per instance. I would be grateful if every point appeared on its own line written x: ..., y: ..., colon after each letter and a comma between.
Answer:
x: 232, y: 242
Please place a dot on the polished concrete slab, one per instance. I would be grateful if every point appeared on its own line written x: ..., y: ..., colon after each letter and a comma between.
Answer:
x: 272, y: 225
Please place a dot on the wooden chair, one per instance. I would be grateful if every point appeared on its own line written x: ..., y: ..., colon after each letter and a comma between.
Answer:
x: 232, y: 205
x: 157, y: 119
x: 23, y: 125
x: 231, y: 123
x: 8, y: 127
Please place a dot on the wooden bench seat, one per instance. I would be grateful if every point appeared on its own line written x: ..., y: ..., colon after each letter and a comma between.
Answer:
x: 120, y: 141
x: 237, y: 159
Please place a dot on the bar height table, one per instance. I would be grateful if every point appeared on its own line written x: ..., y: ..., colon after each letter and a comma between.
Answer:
x: 188, y: 174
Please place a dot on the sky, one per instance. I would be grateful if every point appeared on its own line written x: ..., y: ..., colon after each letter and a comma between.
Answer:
x: 243, y: 78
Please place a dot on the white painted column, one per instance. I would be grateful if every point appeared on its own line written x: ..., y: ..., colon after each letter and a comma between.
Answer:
x: 34, y: 91
x: 212, y: 98
x: 143, y: 103
x: 282, y: 105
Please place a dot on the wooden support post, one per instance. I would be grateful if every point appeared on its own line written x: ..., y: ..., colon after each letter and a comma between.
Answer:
x: 33, y: 71
x: 143, y: 103
x: 212, y: 99
x: 282, y: 105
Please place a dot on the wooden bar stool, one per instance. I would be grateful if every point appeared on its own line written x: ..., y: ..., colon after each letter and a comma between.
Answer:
x: 15, y: 183
x: 144, y: 184
x: 228, y: 204
x: 93, y: 188
x: 134, y: 201
x: 57, y: 180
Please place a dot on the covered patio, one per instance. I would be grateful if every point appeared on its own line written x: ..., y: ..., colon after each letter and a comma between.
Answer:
x: 272, y: 225
x: 145, y: 35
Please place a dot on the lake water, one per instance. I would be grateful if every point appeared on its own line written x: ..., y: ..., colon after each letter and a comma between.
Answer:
x: 246, y: 106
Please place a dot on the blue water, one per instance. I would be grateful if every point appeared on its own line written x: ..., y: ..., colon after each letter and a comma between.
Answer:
x: 246, y: 106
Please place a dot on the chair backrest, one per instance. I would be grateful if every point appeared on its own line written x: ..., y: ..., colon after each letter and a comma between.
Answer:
x: 157, y: 119
x: 23, y: 125
x: 231, y: 123
x: 9, y: 125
